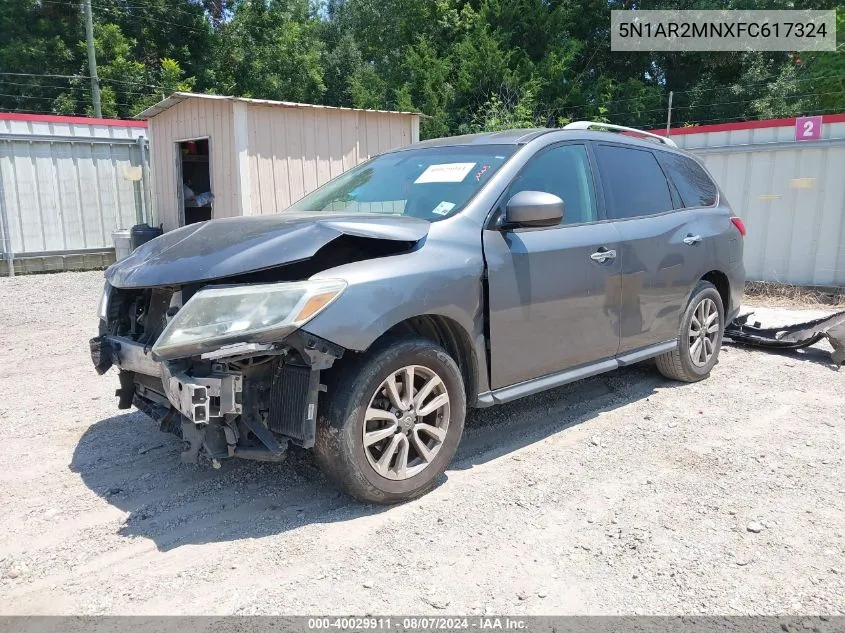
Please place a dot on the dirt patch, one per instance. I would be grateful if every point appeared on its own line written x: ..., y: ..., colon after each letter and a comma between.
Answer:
x: 621, y: 494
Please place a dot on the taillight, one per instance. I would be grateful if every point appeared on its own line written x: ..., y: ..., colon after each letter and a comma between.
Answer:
x: 739, y: 224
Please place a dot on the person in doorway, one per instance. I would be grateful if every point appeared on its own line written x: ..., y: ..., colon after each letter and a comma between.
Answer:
x: 203, y: 199
x: 189, y: 196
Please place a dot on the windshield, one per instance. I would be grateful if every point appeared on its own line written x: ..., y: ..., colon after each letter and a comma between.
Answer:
x: 429, y: 183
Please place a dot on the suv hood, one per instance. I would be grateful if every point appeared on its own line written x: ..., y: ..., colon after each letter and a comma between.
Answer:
x: 233, y: 246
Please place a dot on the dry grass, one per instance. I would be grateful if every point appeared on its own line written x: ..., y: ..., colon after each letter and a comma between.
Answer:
x: 765, y: 293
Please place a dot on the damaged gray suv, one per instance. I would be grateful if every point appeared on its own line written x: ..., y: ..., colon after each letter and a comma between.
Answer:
x: 364, y: 321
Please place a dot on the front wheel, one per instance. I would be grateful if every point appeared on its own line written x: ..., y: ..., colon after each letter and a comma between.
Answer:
x: 699, y: 339
x: 392, y: 422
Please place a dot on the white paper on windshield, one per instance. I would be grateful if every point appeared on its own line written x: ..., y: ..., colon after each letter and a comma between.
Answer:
x: 446, y: 172
x: 443, y: 208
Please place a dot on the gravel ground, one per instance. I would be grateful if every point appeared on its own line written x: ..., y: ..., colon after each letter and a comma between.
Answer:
x: 622, y: 494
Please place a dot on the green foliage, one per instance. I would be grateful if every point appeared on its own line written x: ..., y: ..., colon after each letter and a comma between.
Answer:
x: 496, y: 114
x: 271, y: 50
x: 38, y: 39
x: 468, y: 65
x: 826, y: 73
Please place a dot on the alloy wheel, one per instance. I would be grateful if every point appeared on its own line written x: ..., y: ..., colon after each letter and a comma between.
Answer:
x: 406, y: 422
x: 703, y: 332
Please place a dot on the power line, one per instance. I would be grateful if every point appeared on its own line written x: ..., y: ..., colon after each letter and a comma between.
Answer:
x: 118, y: 81
x: 119, y: 5
x: 116, y: 9
x: 24, y: 110
x: 741, y: 118
x: 762, y: 83
x: 130, y: 83
x: 581, y: 74
x: 46, y: 75
x: 730, y: 86
x: 83, y: 101
x: 723, y: 103
x: 557, y: 110
x: 553, y: 110
x: 555, y: 113
x: 3, y: 82
x: 34, y: 97
x: 40, y: 86
x: 151, y: 19
x: 36, y: 86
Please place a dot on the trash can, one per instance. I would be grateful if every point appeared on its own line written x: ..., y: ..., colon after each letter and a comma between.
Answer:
x: 122, y: 239
x: 143, y: 233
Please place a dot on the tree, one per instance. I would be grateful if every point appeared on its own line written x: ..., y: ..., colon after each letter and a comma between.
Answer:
x: 465, y: 64
x: 271, y: 50
x: 497, y: 115
x: 825, y: 74
x: 37, y: 40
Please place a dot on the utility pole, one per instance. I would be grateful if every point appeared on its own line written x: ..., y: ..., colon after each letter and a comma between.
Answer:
x: 669, y: 115
x: 92, y: 58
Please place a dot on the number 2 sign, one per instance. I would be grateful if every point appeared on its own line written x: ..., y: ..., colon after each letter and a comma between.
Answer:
x: 808, y: 128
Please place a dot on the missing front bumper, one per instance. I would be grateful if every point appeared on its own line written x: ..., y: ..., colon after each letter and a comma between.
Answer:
x: 198, y: 398
x: 235, y: 408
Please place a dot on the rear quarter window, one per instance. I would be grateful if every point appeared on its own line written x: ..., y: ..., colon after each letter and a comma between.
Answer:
x: 694, y: 185
x: 634, y: 182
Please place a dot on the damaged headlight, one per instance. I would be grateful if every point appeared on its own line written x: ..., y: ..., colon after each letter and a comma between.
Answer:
x: 221, y: 315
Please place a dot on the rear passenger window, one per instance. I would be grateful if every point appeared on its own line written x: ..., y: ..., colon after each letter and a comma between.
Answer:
x: 693, y: 183
x: 634, y: 182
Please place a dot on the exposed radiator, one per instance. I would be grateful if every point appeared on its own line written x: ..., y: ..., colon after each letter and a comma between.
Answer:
x: 289, y: 403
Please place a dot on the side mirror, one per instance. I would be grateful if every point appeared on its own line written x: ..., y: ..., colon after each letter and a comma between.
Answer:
x: 533, y: 208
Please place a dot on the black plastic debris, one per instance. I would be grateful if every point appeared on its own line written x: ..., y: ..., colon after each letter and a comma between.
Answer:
x: 791, y: 336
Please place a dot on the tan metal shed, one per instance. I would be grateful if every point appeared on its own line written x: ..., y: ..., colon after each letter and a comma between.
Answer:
x: 256, y: 156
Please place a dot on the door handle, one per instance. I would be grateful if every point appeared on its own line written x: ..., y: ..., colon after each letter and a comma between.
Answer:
x: 691, y: 240
x: 601, y: 256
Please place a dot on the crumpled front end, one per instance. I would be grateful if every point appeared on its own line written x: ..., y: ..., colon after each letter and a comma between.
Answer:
x: 243, y: 399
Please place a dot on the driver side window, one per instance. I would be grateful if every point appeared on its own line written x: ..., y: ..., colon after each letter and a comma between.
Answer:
x: 565, y: 172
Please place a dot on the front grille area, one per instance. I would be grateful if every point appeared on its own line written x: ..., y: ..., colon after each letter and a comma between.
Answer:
x: 155, y: 317
x: 139, y: 314
x: 289, y: 402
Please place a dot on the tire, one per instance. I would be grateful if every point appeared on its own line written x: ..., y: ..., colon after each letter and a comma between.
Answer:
x: 357, y: 396
x: 686, y: 362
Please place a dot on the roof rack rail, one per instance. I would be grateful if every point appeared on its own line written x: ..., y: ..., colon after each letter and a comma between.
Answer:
x: 586, y: 125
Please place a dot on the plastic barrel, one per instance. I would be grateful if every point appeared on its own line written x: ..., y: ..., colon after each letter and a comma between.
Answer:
x: 141, y: 233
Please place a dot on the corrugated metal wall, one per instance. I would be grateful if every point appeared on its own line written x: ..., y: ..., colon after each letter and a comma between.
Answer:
x: 790, y: 194
x: 292, y: 151
x: 192, y: 119
x: 62, y: 185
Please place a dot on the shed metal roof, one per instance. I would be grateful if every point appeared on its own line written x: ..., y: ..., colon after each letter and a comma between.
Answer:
x: 178, y: 97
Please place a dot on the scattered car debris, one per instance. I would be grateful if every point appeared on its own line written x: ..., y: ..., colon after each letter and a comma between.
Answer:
x: 795, y: 336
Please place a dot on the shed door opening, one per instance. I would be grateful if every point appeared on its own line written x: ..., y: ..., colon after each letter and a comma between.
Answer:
x: 195, y: 174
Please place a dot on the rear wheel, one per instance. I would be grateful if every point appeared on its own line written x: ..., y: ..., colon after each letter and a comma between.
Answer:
x: 699, y: 339
x: 392, y: 422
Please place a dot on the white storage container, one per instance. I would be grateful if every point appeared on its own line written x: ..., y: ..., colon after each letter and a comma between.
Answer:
x: 122, y: 243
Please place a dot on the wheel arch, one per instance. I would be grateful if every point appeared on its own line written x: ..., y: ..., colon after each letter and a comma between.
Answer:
x: 448, y: 334
x: 723, y: 285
